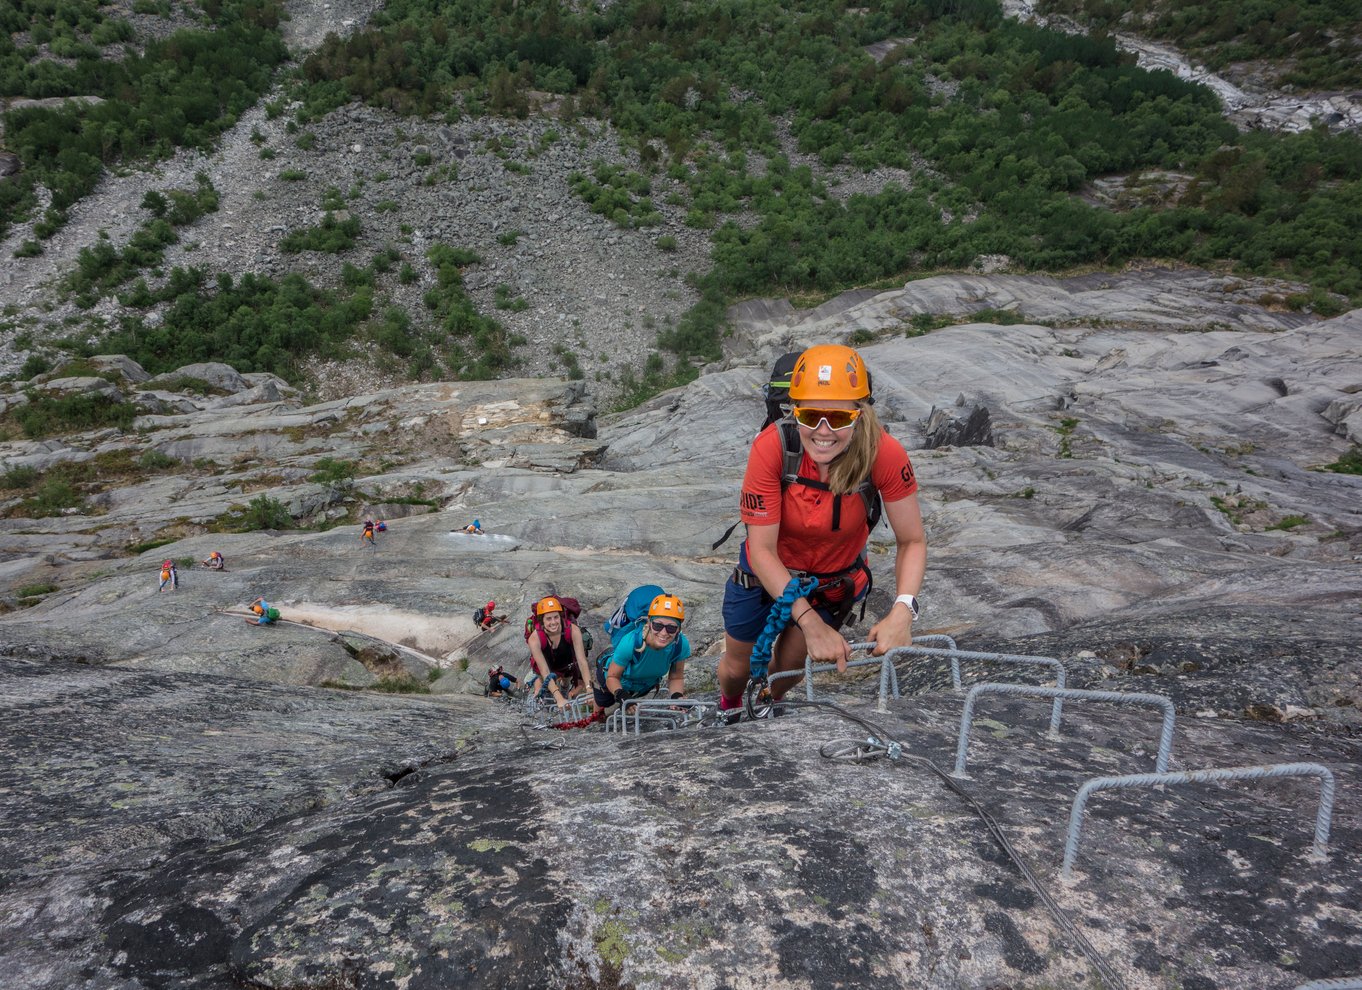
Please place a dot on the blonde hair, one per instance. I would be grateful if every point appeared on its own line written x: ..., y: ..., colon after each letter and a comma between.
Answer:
x: 853, y: 465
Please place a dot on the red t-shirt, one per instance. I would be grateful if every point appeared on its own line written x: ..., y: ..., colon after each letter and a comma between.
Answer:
x: 806, y: 541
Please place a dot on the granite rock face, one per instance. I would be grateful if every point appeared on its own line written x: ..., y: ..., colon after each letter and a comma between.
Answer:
x: 197, y: 831
x: 195, y: 802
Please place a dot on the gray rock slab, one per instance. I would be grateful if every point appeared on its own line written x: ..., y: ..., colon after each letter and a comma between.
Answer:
x: 371, y: 835
x: 122, y: 365
x: 215, y: 373
x: 41, y: 455
x: 265, y: 392
x: 164, y: 403
x: 1231, y: 659
x: 82, y: 386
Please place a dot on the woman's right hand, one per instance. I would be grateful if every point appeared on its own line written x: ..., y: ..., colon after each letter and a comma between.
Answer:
x: 824, y: 643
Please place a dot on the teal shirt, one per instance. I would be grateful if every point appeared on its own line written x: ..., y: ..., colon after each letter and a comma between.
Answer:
x: 643, y: 670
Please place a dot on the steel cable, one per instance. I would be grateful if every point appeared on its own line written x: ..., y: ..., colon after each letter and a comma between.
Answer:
x: 892, y: 748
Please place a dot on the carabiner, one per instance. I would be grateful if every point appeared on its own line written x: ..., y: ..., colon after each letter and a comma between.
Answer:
x: 757, y: 699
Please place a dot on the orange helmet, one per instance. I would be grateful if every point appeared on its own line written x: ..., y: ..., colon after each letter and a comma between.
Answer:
x: 829, y: 371
x: 668, y: 605
x: 547, y: 605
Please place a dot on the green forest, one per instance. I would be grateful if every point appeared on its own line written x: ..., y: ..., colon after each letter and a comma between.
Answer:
x: 997, y: 126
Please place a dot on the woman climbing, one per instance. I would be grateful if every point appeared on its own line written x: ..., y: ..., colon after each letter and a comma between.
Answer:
x: 653, y: 648
x: 810, y: 496
x: 557, y: 653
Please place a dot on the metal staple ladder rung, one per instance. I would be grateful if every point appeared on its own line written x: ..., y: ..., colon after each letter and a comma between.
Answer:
x: 955, y: 656
x: 545, y: 713
x: 657, y: 713
x: 1323, y: 816
x: 1075, y: 694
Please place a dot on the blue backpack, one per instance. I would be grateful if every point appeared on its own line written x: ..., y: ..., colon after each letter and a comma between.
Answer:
x: 631, y: 612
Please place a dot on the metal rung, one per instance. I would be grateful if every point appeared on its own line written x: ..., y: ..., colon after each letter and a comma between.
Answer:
x: 957, y: 655
x: 1115, y: 697
x: 1323, y: 817
x: 658, y: 713
x: 546, y: 713
x: 808, y: 670
x: 889, y: 681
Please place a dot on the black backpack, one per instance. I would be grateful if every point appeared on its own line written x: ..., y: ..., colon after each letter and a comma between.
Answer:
x: 776, y: 391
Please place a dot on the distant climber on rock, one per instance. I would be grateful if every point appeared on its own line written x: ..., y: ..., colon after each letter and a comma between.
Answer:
x: 643, y: 653
x: 214, y: 561
x: 170, y: 577
x: 474, y: 528
x: 485, y: 618
x: 814, y: 487
x: 557, y: 651
x: 367, y: 536
x: 381, y: 526
x: 265, y: 613
x: 499, y: 682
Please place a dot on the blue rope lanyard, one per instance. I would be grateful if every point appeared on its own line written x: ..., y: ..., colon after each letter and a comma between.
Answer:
x: 776, y: 621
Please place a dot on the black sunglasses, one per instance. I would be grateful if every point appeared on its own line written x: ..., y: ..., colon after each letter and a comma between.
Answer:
x: 665, y: 627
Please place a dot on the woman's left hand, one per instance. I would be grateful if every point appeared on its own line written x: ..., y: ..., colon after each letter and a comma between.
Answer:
x: 891, y: 632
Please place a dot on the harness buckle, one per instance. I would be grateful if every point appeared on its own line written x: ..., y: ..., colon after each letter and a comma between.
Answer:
x: 745, y: 579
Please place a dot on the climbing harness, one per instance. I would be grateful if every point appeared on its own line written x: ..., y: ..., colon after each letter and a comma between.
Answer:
x: 757, y: 697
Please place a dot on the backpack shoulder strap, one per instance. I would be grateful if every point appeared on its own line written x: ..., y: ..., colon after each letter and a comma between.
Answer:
x: 793, y: 452
x: 874, y: 505
x: 607, y: 658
